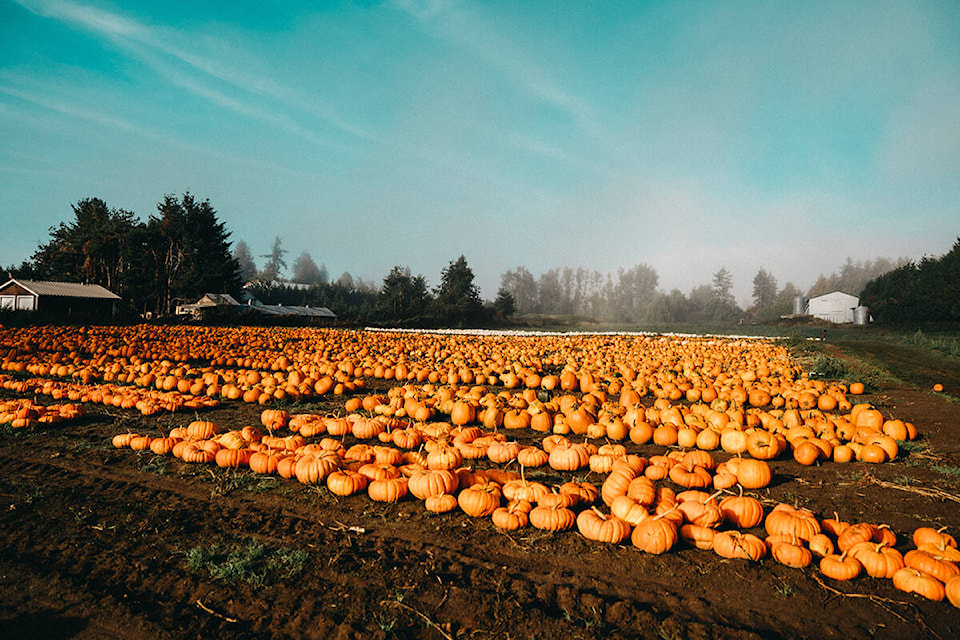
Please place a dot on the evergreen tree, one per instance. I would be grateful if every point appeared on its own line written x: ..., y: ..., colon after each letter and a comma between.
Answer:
x: 191, y: 252
x: 88, y: 249
x: 248, y: 269
x: 275, y: 265
x: 504, y: 306
x: 305, y: 270
x: 403, y: 298
x: 458, y: 299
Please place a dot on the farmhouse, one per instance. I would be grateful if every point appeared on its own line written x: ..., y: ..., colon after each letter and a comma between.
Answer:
x: 61, y: 299
x: 836, y: 306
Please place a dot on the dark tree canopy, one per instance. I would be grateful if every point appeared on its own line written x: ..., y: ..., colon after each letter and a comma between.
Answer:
x: 458, y: 298
x: 925, y: 292
x: 91, y: 248
x: 191, y: 252
x: 403, y: 298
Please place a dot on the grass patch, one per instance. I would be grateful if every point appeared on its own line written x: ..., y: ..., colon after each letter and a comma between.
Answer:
x: 251, y: 562
x: 832, y: 368
x: 149, y: 462
x: 947, y: 344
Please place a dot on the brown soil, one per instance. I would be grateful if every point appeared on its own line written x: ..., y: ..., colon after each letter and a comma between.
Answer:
x: 94, y: 544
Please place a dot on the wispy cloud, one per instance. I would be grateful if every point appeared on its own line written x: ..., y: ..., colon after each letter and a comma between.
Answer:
x: 464, y: 25
x: 151, y: 45
x: 53, y: 100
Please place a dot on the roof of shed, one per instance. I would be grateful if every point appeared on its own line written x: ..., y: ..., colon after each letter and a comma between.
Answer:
x: 65, y: 289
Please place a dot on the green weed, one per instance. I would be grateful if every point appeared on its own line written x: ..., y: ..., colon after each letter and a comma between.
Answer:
x: 250, y: 562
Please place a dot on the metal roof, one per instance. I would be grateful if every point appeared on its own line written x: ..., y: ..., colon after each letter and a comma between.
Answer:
x: 217, y: 299
x: 283, y: 310
x: 65, y: 289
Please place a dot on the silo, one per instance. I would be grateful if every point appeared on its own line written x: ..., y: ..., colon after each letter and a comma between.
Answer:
x: 861, y: 315
x: 799, y: 305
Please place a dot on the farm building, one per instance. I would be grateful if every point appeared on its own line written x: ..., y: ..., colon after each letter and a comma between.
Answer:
x: 62, y: 299
x: 207, y: 303
x: 836, y: 306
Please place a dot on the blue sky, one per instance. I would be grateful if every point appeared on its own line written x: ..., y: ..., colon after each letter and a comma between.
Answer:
x: 685, y: 135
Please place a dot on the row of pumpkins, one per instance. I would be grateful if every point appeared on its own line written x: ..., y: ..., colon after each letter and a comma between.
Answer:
x: 653, y: 516
x: 148, y: 402
x: 263, y: 365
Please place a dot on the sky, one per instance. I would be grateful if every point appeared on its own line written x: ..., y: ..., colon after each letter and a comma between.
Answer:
x: 689, y: 136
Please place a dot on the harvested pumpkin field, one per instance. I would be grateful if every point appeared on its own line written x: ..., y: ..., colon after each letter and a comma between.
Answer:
x: 257, y: 483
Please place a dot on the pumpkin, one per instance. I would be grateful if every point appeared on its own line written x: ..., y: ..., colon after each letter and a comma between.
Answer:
x: 313, y: 469
x: 513, y: 516
x: 444, y: 458
x: 570, y: 457
x: 791, y: 555
x: 654, y: 535
x: 911, y: 580
x: 742, y: 512
x: 584, y: 492
x: 432, y: 482
x: 233, y: 458
x: 735, y: 544
x: 594, y: 525
x: 697, y: 536
x: 689, y: 476
x: 753, y: 474
x: 952, y: 589
x: 787, y: 520
x: 532, y: 457
x: 480, y: 500
x: 554, y: 518
x: 443, y: 503
x: 389, y: 490
x: 840, y: 567
x: 263, y: 462
x: 344, y: 482
x: 878, y: 560
x: 929, y: 535
x: 820, y: 545
x: 942, y: 570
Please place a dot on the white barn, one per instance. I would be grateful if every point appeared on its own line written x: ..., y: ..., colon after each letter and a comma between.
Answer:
x: 836, y: 306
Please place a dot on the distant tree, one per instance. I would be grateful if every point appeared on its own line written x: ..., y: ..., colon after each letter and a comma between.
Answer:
x: 402, y: 298
x: 275, y: 265
x: 764, y: 290
x: 248, y: 269
x: 521, y: 284
x: 504, y: 306
x: 634, y: 293
x: 549, y: 292
x: 785, y: 299
x: 305, y: 270
x: 457, y: 301
x: 723, y: 286
x: 324, y: 276
x: 345, y: 280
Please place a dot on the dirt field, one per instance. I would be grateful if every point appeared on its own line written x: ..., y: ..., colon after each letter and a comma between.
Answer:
x: 105, y: 543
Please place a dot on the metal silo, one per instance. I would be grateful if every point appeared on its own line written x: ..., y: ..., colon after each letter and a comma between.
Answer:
x: 861, y: 315
x: 799, y: 305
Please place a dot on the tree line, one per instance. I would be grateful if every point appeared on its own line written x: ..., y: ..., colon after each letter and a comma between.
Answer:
x: 184, y: 251
x: 922, y: 292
